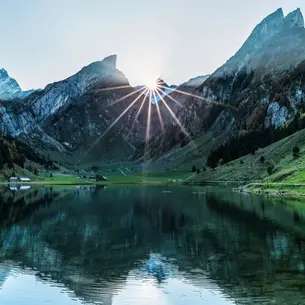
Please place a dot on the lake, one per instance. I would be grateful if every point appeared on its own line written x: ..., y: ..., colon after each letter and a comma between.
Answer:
x: 149, y: 245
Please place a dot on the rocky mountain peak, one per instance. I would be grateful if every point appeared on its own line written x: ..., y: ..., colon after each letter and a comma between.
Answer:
x: 161, y: 82
x: 268, y: 40
x: 295, y: 19
x: 98, y: 71
x: 3, y: 73
x: 110, y: 61
x: 269, y: 27
x: 9, y: 88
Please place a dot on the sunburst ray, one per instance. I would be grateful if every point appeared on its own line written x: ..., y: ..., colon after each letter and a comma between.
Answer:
x: 126, y: 96
x: 113, y: 88
x: 147, y: 137
x: 158, y: 111
x: 170, y: 97
x: 183, y: 129
x: 138, y: 113
x: 113, y: 124
x: 202, y: 98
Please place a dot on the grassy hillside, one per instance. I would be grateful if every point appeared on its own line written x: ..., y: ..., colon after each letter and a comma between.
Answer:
x: 287, y: 169
x: 194, y: 153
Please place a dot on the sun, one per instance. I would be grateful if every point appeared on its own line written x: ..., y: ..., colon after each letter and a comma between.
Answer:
x: 152, y: 84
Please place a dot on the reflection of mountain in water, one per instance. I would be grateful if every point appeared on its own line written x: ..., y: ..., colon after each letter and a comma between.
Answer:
x: 91, y: 239
x: 4, y: 273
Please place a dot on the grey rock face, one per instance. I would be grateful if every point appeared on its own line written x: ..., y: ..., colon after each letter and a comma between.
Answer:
x: 277, y: 115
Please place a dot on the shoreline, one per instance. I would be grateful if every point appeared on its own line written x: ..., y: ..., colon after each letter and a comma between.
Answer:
x: 87, y: 183
x: 263, y: 189
x: 274, y: 189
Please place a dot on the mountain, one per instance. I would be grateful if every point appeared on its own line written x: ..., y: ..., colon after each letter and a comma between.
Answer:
x: 72, y: 118
x: 10, y: 89
x: 96, y: 114
x: 262, y: 85
x: 44, y: 103
x: 196, y: 81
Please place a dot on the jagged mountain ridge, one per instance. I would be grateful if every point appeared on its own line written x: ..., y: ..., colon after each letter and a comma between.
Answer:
x: 263, y: 84
x: 39, y: 106
x: 86, y: 102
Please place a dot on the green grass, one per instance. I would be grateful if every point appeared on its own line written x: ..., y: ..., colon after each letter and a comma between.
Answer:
x: 195, y: 153
x: 285, y: 189
x: 115, y: 178
x: 288, y: 175
x: 249, y: 168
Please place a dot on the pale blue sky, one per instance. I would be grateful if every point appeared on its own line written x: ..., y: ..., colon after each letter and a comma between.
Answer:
x: 47, y: 40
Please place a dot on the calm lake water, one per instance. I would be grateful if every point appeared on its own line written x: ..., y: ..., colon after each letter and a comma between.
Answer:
x: 149, y: 245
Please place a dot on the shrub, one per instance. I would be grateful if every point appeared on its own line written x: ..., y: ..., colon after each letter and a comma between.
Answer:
x: 194, y: 169
x: 262, y: 159
x: 1, y: 160
x: 198, y: 171
x: 296, y: 151
x: 270, y: 169
x: 36, y: 172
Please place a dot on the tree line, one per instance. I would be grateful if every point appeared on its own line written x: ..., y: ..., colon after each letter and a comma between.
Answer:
x: 249, y: 143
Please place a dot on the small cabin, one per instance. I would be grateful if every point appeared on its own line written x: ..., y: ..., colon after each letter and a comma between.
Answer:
x: 24, y: 179
x: 13, y: 179
x: 16, y: 179
x: 100, y: 178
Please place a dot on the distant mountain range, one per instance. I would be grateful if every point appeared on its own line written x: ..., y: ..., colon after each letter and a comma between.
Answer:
x: 262, y: 85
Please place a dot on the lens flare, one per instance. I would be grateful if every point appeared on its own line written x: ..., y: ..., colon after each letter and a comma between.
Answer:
x: 153, y: 92
x: 152, y: 85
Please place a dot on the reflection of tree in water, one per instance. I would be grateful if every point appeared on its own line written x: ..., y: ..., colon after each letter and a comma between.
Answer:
x: 15, y: 208
x: 95, y: 238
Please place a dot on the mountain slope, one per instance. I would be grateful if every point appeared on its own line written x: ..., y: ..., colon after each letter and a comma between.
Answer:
x: 263, y: 84
x: 101, y: 110
x: 249, y: 168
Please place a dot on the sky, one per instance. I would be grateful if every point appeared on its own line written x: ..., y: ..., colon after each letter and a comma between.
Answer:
x: 43, y: 41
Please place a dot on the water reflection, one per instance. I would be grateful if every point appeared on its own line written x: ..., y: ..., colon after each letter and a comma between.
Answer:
x: 149, y: 246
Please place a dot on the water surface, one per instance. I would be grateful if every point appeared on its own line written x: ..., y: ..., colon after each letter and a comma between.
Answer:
x: 149, y: 245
